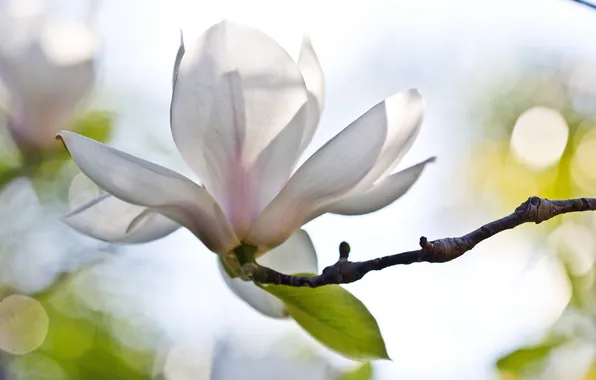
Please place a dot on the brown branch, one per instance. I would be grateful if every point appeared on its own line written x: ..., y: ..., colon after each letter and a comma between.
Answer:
x: 534, y: 210
x: 585, y: 3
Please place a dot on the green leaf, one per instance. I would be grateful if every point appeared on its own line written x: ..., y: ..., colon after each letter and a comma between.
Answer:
x: 363, y: 372
x: 335, y: 318
x: 520, y: 359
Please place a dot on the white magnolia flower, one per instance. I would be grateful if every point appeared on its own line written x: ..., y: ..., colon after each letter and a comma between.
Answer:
x: 47, y: 66
x: 242, y: 113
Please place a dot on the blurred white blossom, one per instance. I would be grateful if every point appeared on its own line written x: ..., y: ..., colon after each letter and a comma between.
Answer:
x: 34, y: 246
x: 229, y: 363
x: 47, y: 66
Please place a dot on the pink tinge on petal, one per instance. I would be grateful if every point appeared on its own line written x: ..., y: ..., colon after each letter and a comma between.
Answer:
x: 333, y: 171
x: 237, y: 117
x: 251, y: 190
x: 34, y: 128
x: 347, y: 165
x: 240, y: 203
x: 234, y: 189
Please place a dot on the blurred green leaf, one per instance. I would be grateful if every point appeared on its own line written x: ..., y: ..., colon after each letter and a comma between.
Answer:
x: 9, y: 173
x: 335, y: 318
x: 518, y: 360
x: 106, y: 363
x: 69, y: 338
x: 81, y: 344
x: 47, y: 169
x: 363, y: 372
x: 96, y: 125
x: 37, y: 366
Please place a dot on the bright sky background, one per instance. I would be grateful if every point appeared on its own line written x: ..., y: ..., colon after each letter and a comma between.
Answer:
x: 447, y: 321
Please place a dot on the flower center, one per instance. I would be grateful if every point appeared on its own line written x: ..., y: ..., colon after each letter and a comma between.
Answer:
x: 234, y: 259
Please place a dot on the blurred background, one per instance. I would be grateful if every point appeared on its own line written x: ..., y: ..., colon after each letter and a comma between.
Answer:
x: 510, y: 88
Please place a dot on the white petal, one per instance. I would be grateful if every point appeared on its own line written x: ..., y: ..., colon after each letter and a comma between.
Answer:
x: 380, y: 194
x: 296, y: 255
x: 105, y: 217
x: 311, y: 70
x: 238, y: 94
x: 335, y: 170
x: 143, y: 183
x: 109, y: 219
x: 48, y: 64
x: 405, y: 112
x: 179, y: 56
x: 48, y: 67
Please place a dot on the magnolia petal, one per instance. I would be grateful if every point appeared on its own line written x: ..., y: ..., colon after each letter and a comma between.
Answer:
x: 380, y: 194
x: 311, y: 70
x: 296, y: 255
x: 142, y: 183
x: 109, y: 219
x: 405, y: 112
x: 237, y: 91
x: 334, y: 171
x: 105, y: 217
x: 179, y: 56
x: 269, y: 168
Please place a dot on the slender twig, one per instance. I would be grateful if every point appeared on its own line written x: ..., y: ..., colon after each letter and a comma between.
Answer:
x: 585, y: 3
x: 534, y: 210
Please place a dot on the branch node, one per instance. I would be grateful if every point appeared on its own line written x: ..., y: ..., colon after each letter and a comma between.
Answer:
x: 343, y: 272
x: 443, y: 250
x: 536, y: 210
x: 249, y: 271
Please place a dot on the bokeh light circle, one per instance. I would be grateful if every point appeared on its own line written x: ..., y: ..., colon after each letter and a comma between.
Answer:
x: 539, y: 137
x: 24, y: 324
